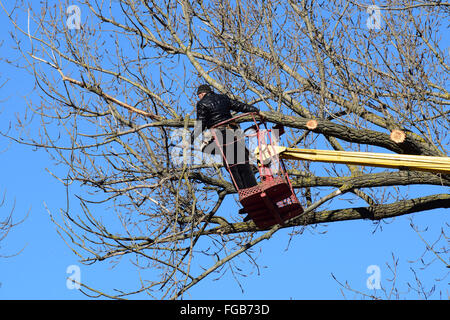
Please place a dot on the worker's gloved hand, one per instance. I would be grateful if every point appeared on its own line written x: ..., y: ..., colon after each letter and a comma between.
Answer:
x: 207, y: 139
x: 203, y: 145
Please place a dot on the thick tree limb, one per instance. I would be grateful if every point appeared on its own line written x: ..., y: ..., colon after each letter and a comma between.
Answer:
x: 378, y: 212
x: 372, y: 180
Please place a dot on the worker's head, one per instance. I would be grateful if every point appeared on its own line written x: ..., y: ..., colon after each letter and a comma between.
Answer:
x: 203, y: 90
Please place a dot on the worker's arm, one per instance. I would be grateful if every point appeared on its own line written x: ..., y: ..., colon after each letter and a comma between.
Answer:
x: 242, y: 107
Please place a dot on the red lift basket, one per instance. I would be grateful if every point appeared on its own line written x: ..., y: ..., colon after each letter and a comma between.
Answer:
x: 273, y: 200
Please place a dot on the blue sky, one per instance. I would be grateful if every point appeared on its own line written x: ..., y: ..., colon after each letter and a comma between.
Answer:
x: 297, y: 268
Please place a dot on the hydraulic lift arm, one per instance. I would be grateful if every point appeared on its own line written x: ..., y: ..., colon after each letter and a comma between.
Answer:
x: 386, y: 160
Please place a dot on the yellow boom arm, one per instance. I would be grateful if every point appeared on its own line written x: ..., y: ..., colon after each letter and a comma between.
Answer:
x: 386, y: 160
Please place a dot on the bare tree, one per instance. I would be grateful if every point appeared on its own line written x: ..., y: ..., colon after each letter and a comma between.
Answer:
x: 117, y: 80
x: 433, y: 256
x: 5, y: 223
x: 8, y: 222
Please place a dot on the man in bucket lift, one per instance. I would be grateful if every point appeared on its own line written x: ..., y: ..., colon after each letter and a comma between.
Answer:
x: 213, y: 108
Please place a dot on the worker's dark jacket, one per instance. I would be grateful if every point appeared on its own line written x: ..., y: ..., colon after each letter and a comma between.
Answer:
x: 214, y: 108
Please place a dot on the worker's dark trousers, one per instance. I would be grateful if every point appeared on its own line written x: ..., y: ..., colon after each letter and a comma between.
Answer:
x: 237, y: 155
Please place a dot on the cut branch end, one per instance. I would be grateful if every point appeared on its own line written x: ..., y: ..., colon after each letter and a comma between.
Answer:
x: 311, y: 124
x: 398, y: 136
